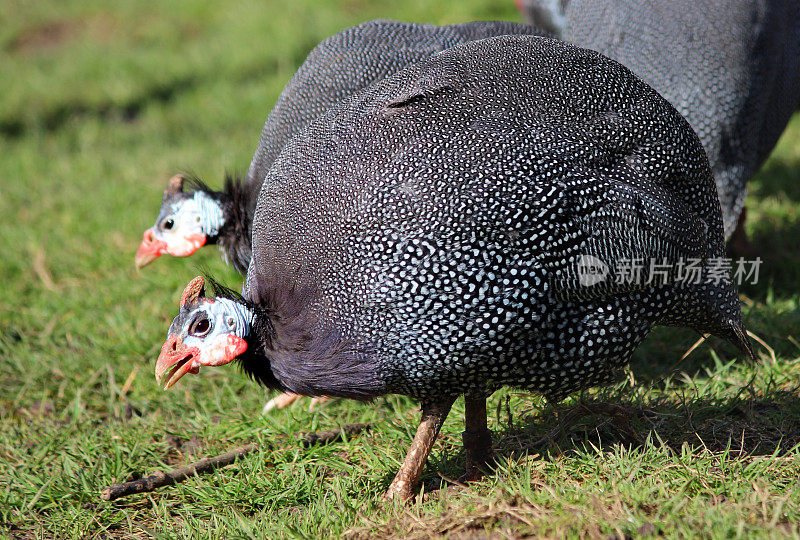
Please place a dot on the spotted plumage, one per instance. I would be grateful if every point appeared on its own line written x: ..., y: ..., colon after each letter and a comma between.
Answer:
x: 350, y: 61
x: 731, y: 68
x: 426, y: 232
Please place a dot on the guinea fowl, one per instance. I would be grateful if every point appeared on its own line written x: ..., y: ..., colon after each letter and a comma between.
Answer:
x: 426, y: 237
x: 337, y: 68
x: 731, y: 68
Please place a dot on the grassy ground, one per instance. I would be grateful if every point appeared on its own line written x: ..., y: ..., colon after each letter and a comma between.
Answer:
x: 100, y: 103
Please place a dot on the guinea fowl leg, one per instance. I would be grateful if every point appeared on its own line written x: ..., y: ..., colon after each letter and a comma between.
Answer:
x: 318, y: 400
x: 433, y: 416
x: 477, y: 439
x: 739, y: 243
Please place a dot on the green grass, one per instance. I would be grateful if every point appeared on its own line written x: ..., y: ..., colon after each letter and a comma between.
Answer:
x: 99, y: 104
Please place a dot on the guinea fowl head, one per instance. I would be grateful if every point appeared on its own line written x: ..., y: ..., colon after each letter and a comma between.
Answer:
x: 206, y: 332
x: 187, y: 221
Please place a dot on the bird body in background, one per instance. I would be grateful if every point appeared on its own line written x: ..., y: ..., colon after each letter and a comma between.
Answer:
x: 732, y: 69
x: 334, y: 70
x: 426, y: 236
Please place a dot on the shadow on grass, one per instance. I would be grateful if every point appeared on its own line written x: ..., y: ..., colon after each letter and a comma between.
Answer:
x: 765, y: 425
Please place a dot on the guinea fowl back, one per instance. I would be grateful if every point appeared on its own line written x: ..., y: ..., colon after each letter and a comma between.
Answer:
x: 731, y: 68
x: 430, y: 227
x: 352, y: 60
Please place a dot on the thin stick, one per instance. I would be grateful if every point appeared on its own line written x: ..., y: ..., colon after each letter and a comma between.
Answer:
x: 205, y: 465
x: 129, y: 381
x: 693, y: 347
x: 40, y: 269
x: 763, y: 343
x: 160, y: 478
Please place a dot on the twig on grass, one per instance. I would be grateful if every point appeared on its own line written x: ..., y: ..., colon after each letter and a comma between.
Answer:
x: 160, y: 478
x: 693, y: 347
x: 763, y: 343
x: 205, y: 465
x: 40, y: 269
x: 333, y: 435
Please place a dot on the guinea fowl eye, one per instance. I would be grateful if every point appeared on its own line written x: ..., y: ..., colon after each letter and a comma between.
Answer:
x: 200, y: 327
x: 168, y: 224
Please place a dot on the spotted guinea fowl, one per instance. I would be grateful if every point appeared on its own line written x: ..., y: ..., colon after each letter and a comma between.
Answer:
x: 338, y: 67
x: 193, y: 215
x: 731, y: 68
x: 426, y: 237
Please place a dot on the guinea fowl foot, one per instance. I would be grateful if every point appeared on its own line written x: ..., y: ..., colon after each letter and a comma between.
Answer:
x: 318, y: 400
x: 280, y: 402
x: 287, y: 398
x: 480, y: 457
x: 433, y: 416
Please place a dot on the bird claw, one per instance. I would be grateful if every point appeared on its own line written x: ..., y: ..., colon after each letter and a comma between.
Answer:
x: 317, y: 401
x: 280, y: 402
x: 287, y: 398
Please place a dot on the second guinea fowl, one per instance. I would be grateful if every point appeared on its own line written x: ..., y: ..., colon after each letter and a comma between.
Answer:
x: 731, y: 68
x: 193, y: 215
x: 426, y: 237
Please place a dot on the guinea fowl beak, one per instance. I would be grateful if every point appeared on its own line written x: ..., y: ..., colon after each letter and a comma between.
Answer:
x: 175, y: 361
x: 149, y: 250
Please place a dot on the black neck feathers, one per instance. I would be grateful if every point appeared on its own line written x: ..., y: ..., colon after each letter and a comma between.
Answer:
x: 254, y: 360
x: 291, y: 350
x: 237, y: 210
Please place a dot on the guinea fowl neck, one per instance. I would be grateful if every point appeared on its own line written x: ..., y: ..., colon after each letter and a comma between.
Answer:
x: 290, y: 349
x: 254, y: 361
x: 234, y: 234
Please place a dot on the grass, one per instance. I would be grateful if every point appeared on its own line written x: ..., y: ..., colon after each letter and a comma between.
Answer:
x: 100, y: 104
